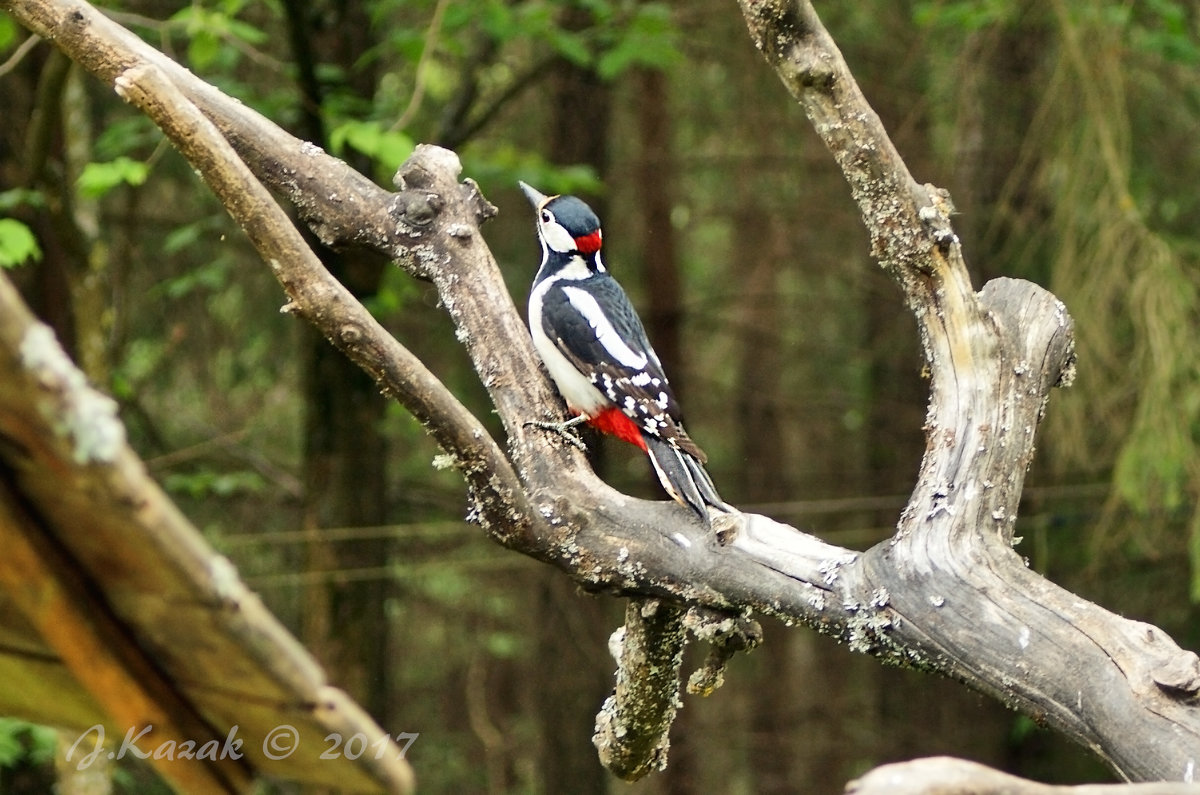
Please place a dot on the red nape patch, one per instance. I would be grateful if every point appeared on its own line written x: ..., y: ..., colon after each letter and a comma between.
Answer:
x: 588, y: 244
x: 614, y: 422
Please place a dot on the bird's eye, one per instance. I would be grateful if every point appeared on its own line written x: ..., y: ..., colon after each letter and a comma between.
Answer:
x: 546, y: 217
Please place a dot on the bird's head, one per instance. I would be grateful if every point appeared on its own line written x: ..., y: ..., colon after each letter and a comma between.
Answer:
x: 565, y: 223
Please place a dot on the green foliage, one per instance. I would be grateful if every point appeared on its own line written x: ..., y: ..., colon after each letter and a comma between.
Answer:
x: 1154, y: 468
x: 622, y: 34
x: 387, y: 148
x: 206, y: 483
x: 395, y: 292
x: 210, y: 275
x: 21, y: 741
x: 123, y: 135
x: 209, y: 30
x: 21, y: 197
x: 648, y: 39
x: 97, y: 179
x: 1163, y: 28
x: 501, y: 165
x: 18, y: 244
x: 9, y: 31
x: 965, y: 15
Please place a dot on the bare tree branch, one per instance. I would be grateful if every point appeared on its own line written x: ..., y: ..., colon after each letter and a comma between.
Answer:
x: 321, y: 299
x: 945, y: 776
x: 992, y: 359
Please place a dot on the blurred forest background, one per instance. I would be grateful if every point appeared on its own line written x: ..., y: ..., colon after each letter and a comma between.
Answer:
x: 1065, y: 131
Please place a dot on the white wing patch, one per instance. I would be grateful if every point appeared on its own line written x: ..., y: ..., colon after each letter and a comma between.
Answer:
x: 586, y: 305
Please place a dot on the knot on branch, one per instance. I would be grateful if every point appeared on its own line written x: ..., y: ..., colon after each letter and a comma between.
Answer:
x: 416, y: 208
x: 935, y: 213
x: 727, y: 635
x: 1180, y: 675
x: 784, y: 32
x: 1175, y: 671
x: 423, y: 167
x: 421, y: 180
x: 351, y: 335
x: 483, y: 209
x: 1038, y: 327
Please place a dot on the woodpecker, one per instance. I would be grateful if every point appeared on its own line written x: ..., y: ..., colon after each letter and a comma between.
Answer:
x: 595, y: 348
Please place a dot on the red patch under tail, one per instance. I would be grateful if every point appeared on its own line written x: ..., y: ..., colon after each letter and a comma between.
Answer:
x: 614, y: 422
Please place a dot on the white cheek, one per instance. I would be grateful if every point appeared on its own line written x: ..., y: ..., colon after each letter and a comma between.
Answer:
x: 557, y: 238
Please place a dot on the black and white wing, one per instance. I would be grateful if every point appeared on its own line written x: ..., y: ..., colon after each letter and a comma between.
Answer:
x: 595, y: 327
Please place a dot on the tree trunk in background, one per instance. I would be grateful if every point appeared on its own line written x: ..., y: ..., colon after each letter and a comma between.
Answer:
x: 572, y: 675
x: 663, y: 313
x: 574, y: 666
x: 784, y: 754
x: 345, y: 486
x: 1000, y: 207
x: 345, y: 455
x: 68, y: 289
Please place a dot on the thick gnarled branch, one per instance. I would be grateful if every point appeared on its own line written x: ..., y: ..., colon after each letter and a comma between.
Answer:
x: 950, y: 594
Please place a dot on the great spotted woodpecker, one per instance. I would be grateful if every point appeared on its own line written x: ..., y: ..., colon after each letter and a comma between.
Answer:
x: 595, y: 348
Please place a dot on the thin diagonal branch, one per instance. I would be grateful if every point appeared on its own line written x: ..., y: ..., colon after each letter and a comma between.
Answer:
x: 319, y: 298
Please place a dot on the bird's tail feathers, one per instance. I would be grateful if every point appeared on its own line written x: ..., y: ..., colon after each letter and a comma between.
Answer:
x: 684, y: 477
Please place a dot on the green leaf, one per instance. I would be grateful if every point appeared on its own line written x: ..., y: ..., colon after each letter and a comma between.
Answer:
x: 8, y: 32
x: 499, y: 21
x: 43, y: 744
x: 569, y: 45
x: 21, y: 197
x: 98, y: 179
x: 504, y: 645
x: 208, y: 277
x: 965, y: 16
x: 247, y: 32
x: 650, y: 39
x: 203, y: 49
x: 389, y: 148
x: 17, y: 243
x: 11, y: 747
x: 499, y: 167
x: 24, y: 741
x: 207, y: 483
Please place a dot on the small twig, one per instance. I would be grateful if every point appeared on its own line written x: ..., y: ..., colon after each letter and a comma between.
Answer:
x: 19, y: 54
x: 726, y: 635
x: 419, y: 81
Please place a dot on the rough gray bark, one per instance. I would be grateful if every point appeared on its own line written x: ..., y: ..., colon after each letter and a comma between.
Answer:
x: 945, y: 776
x: 946, y: 594
x: 633, y: 725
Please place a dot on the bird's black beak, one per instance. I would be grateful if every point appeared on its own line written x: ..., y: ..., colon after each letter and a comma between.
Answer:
x: 535, y: 196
